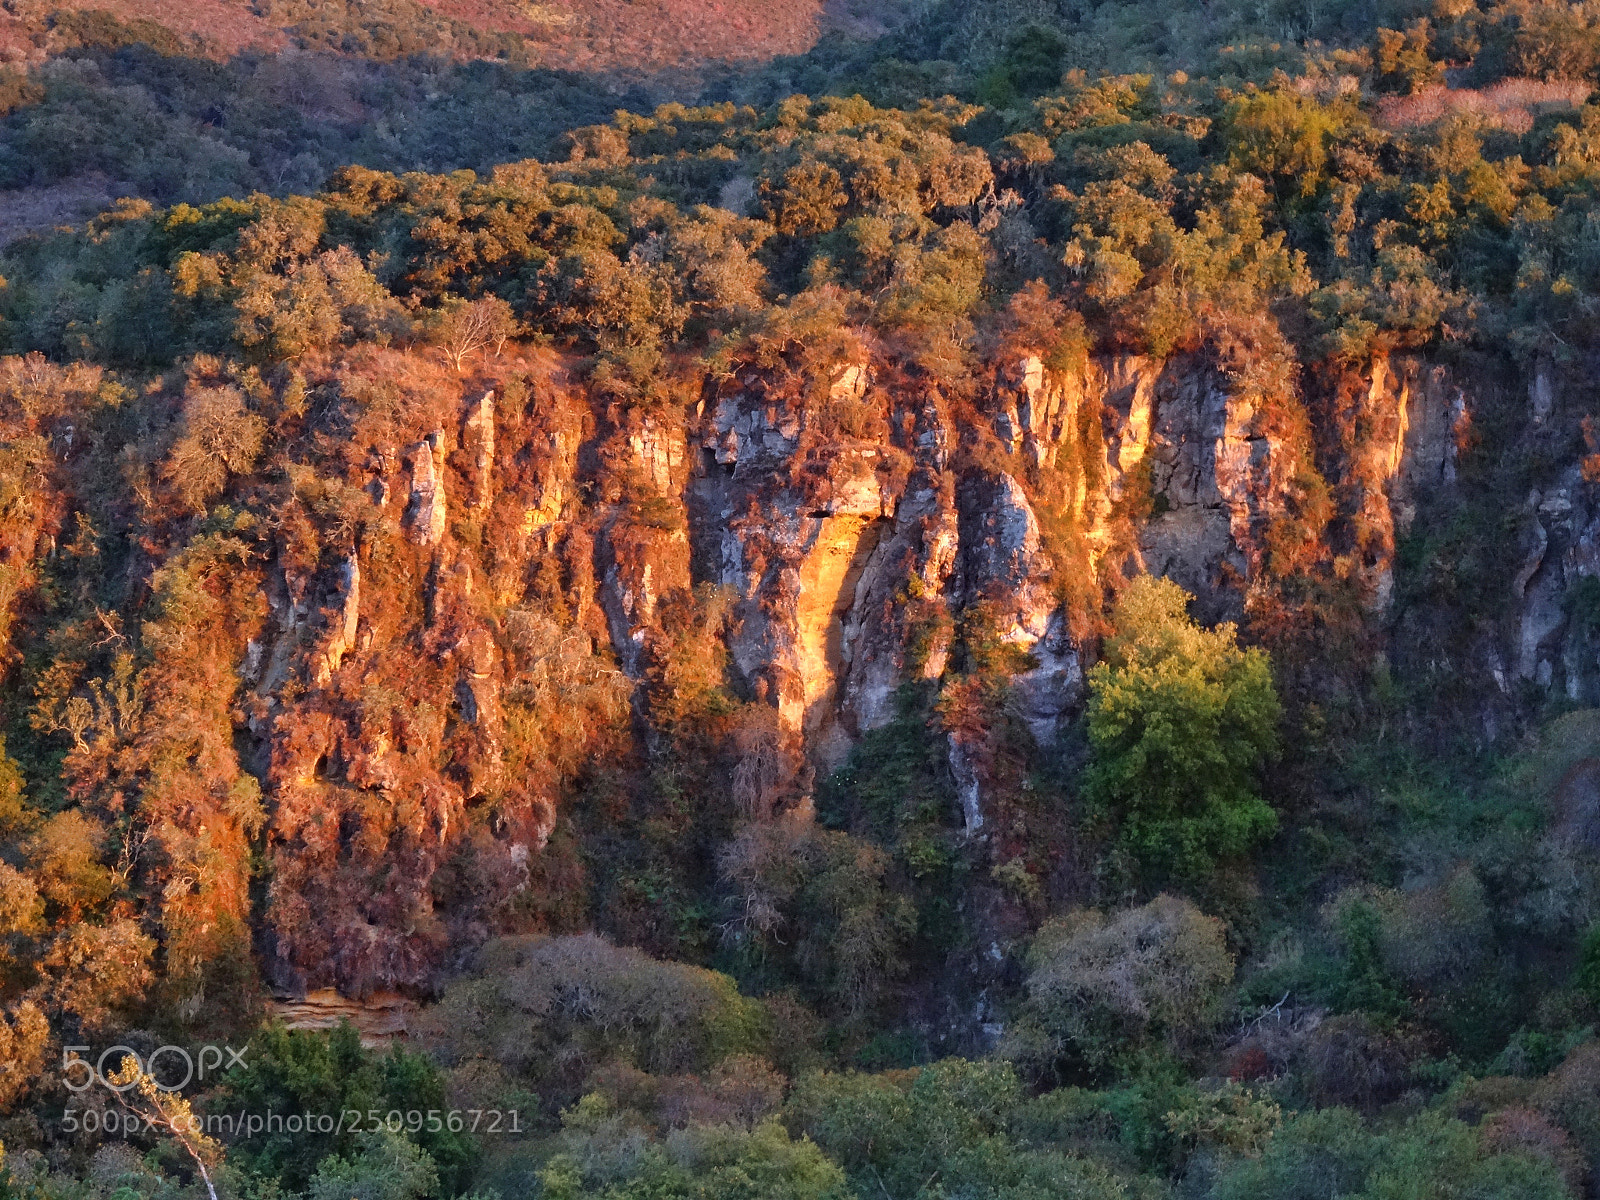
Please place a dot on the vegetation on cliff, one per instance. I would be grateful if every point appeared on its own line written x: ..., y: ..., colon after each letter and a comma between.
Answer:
x: 1023, y: 624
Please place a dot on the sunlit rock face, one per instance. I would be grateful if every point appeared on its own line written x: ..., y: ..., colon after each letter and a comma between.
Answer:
x: 478, y: 574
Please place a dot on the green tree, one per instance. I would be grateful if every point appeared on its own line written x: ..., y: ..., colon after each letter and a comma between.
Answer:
x: 1180, y: 722
x: 939, y: 1131
x: 315, y: 1073
x: 1328, y: 1154
x: 606, y: 1155
x: 1031, y: 64
x: 387, y: 1168
x: 1587, y: 977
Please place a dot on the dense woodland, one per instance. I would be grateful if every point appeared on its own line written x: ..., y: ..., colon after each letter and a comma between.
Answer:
x: 371, y: 530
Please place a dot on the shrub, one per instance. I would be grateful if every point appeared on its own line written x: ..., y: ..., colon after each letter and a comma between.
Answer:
x: 24, y: 1044
x: 1433, y: 1157
x: 553, y: 1008
x: 1587, y: 977
x: 1180, y: 722
x: 1349, y: 1061
x: 1570, y: 1096
x: 1316, y: 1156
x: 387, y: 1168
x: 219, y: 437
x: 741, y: 1090
x: 1544, y: 41
x: 97, y: 970
x: 465, y: 329
x: 940, y: 1130
x: 1402, y: 59
x: 1519, y: 1130
x: 1365, y: 982
x: 1281, y: 136
x: 1102, y: 986
x: 900, y: 1122
x: 604, y: 1155
x: 1436, y: 937
x: 1329, y: 1154
x: 1232, y: 1118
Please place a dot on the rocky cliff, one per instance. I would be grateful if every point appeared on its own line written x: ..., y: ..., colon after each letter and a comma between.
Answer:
x: 502, y: 567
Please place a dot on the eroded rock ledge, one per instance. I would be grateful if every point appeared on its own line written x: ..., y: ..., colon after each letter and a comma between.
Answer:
x: 849, y: 524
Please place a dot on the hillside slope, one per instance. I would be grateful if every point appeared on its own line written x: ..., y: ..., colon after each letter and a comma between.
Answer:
x: 577, y: 35
x: 1094, y: 575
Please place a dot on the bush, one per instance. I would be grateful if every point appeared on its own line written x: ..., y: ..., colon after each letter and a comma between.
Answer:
x: 554, y: 1008
x: 1587, y: 977
x: 387, y: 1168
x: 1403, y: 62
x: 1281, y: 136
x: 1433, y: 1157
x: 1317, y: 1156
x: 1436, y: 938
x: 1100, y: 987
x: 1519, y: 1130
x: 24, y: 1047
x: 219, y: 437
x: 1330, y: 1154
x: 941, y: 1130
x: 1350, y: 1061
x: 465, y: 329
x: 603, y: 1155
x: 1232, y: 1119
x: 1180, y: 722
x: 1365, y: 982
x: 1542, y: 41
x: 1570, y: 1096
x: 741, y: 1090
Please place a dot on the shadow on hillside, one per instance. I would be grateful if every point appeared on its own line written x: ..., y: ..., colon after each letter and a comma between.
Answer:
x: 159, y: 118
x: 175, y: 128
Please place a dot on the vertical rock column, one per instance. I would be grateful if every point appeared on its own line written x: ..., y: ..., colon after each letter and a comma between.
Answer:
x: 478, y: 439
x: 425, y: 514
x: 345, y: 615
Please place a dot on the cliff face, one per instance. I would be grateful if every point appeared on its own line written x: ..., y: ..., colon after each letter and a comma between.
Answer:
x: 473, y: 589
x: 1397, y: 433
x: 1555, y: 645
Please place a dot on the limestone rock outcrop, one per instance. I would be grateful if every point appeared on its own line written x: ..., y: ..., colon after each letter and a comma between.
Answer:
x: 857, y: 529
x: 425, y: 512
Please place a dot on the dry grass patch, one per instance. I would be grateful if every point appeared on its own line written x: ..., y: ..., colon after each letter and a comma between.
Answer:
x: 1511, y: 104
